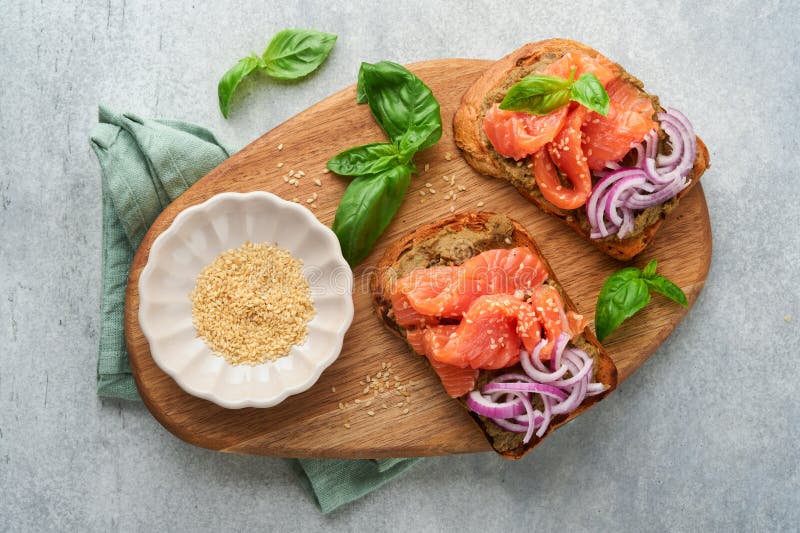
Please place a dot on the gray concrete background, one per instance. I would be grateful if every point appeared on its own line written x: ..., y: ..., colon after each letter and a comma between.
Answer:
x: 704, y: 437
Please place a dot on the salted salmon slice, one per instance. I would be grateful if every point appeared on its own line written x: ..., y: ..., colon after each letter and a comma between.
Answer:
x: 489, y: 336
x: 549, y: 309
x: 583, y: 63
x: 516, y: 134
x: 416, y: 339
x: 566, y: 153
x: 440, y: 291
x: 504, y: 271
x: 448, y: 291
x: 629, y: 120
x: 406, y: 316
x: 456, y: 381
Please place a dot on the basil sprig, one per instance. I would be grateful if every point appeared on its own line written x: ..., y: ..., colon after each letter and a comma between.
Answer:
x: 408, y: 113
x: 626, y: 292
x: 540, y: 95
x: 291, y: 54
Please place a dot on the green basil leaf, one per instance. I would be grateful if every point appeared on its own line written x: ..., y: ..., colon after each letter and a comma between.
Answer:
x: 589, y: 92
x: 663, y: 286
x: 366, y: 159
x: 623, y: 294
x: 227, y: 85
x: 537, y: 95
x: 402, y: 105
x: 361, y: 91
x: 367, y: 208
x: 650, y: 270
x: 292, y: 54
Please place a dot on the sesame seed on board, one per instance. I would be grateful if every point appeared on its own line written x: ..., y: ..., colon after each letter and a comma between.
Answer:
x: 380, y: 387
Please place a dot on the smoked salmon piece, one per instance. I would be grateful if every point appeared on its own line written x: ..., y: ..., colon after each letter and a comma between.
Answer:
x: 441, y: 291
x: 406, y: 316
x: 549, y: 309
x: 505, y: 271
x: 516, y: 134
x: 448, y: 291
x: 489, y: 336
x: 629, y: 120
x: 456, y: 381
x: 567, y: 154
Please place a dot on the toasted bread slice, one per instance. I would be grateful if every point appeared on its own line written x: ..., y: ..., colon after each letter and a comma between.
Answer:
x: 492, y: 86
x: 452, y: 241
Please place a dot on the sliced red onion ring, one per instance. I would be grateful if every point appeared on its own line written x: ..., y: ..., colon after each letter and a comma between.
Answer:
x: 540, y: 388
x: 486, y: 407
x: 558, y: 350
x: 536, y: 374
x: 507, y: 400
x: 654, y: 178
x: 613, y: 199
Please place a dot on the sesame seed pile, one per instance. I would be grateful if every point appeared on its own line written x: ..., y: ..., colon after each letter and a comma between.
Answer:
x: 252, y: 304
x: 381, y: 392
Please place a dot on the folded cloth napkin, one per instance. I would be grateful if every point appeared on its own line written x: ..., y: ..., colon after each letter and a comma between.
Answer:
x: 145, y: 165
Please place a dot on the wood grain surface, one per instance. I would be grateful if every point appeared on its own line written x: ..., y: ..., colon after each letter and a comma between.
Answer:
x: 312, y: 424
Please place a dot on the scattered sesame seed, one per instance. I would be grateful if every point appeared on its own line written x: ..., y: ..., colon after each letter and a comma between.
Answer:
x: 481, y: 204
x: 286, y: 179
x: 333, y: 389
x: 428, y: 185
x: 405, y: 411
x: 432, y: 190
x: 448, y: 156
x: 452, y: 209
x: 508, y: 240
x: 347, y: 426
x: 427, y: 167
x: 279, y: 165
x: 325, y: 170
x: 341, y: 405
x: 317, y: 182
x: 309, y: 200
x: 280, y: 146
x: 371, y: 413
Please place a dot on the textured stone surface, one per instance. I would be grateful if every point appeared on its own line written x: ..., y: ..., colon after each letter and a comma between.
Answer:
x: 703, y: 437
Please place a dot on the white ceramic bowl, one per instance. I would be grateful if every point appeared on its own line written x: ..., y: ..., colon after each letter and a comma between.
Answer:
x: 195, y: 238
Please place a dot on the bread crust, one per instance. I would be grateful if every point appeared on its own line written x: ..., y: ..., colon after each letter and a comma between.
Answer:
x: 381, y: 289
x: 479, y: 153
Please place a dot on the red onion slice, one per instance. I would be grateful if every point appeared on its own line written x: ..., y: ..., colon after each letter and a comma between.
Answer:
x: 540, y: 388
x: 536, y: 374
x: 617, y: 196
x: 486, y: 407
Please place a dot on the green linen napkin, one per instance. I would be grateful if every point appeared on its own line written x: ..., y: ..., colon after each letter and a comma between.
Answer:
x: 145, y: 165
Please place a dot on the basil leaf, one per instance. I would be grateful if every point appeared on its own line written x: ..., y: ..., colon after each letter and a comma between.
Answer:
x: 361, y: 91
x: 537, y: 95
x: 589, y: 92
x: 402, y: 105
x: 367, y: 208
x: 231, y: 79
x: 366, y: 159
x: 663, y: 286
x: 623, y: 294
x: 292, y: 54
x: 650, y: 270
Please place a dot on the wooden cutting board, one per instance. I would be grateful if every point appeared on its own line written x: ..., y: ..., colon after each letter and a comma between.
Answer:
x: 312, y: 424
